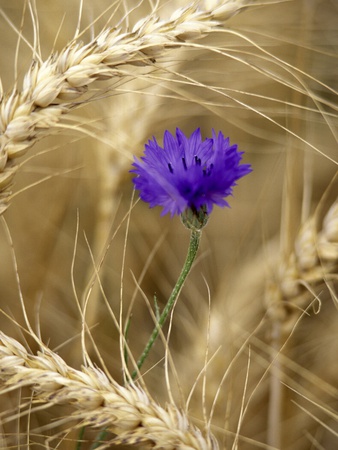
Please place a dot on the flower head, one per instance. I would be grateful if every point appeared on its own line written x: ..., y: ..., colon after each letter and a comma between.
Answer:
x: 188, y: 173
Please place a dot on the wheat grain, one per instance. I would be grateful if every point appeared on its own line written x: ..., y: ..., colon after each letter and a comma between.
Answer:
x: 51, y: 87
x: 313, y: 261
x: 98, y: 401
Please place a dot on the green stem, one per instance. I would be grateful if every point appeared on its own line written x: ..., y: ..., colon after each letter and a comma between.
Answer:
x: 79, y: 439
x: 195, y: 238
x: 99, y: 439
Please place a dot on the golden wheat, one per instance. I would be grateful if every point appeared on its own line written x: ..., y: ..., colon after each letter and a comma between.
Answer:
x: 313, y: 262
x: 98, y: 401
x: 243, y: 353
x: 51, y: 87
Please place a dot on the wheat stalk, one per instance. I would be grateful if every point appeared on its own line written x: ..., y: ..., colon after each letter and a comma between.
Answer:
x: 99, y: 401
x: 51, y: 87
x: 314, y: 260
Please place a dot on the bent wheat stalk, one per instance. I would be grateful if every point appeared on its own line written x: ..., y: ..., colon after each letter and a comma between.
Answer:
x: 51, y: 87
x: 98, y: 401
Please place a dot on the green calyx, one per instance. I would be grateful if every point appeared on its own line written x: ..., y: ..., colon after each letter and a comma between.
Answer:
x: 195, y: 219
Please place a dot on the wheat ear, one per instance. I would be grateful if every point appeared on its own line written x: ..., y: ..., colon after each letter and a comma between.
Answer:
x: 99, y: 401
x: 313, y: 261
x: 50, y: 87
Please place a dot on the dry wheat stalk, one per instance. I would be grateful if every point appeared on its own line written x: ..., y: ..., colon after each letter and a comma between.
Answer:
x: 50, y: 87
x: 313, y: 261
x: 99, y: 401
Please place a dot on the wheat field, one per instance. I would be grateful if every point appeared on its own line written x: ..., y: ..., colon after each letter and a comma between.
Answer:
x: 248, y: 359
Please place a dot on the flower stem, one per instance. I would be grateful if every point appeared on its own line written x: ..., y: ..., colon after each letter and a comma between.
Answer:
x: 195, y: 238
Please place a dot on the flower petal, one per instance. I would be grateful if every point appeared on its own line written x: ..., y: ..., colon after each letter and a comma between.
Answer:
x: 188, y: 172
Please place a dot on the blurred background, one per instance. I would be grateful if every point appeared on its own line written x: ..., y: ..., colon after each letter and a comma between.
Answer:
x: 268, y: 80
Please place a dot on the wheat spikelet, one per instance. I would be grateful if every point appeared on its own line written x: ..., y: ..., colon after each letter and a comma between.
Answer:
x: 313, y: 261
x: 51, y: 87
x: 282, y: 361
x: 233, y: 311
x: 99, y: 401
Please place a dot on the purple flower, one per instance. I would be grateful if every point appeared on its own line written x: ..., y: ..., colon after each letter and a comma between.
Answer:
x: 188, y: 173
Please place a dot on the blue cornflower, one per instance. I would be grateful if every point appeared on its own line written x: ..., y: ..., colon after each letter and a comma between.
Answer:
x: 188, y: 173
